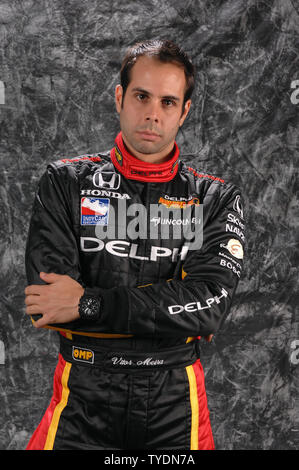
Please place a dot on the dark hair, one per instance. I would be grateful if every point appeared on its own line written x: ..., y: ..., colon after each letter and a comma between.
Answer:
x: 164, y: 51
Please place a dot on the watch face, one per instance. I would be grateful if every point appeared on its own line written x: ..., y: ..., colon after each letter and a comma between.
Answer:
x: 89, y: 308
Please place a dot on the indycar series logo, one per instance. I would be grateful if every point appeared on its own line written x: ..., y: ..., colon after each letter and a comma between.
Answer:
x: 94, y: 211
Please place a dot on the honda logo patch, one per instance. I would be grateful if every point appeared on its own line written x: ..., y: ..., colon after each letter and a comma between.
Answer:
x: 106, y: 179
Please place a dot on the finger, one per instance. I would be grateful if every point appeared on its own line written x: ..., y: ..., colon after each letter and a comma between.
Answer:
x: 41, y: 322
x: 32, y: 299
x: 50, y: 277
x: 32, y: 309
x: 34, y: 289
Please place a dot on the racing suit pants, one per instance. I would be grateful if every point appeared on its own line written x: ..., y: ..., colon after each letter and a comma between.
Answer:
x: 124, y: 400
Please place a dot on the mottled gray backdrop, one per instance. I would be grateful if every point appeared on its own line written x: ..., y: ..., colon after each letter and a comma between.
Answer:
x: 59, y: 63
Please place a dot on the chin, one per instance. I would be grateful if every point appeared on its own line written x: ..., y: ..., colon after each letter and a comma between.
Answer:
x: 146, y: 148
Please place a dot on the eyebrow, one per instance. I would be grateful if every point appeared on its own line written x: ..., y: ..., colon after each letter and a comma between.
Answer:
x: 166, y: 97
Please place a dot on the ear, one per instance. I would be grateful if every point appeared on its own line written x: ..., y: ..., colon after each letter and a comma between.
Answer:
x: 185, y: 112
x: 118, y: 97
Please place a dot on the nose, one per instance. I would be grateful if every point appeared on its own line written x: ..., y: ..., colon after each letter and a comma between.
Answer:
x: 152, y: 112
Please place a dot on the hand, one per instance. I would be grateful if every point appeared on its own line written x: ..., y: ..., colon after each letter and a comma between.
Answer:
x: 57, y: 301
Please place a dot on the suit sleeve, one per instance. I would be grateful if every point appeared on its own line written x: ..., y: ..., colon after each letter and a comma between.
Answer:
x: 51, y: 242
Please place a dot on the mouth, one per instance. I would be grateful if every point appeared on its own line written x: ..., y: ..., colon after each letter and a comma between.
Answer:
x: 148, y: 135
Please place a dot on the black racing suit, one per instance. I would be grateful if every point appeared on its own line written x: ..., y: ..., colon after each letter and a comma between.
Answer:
x: 162, y: 244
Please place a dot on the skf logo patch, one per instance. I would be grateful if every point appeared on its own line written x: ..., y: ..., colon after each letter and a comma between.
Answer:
x: 83, y: 355
x: 94, y: 211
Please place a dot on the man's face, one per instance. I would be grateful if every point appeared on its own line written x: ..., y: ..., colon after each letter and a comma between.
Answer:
x: 151, y: 110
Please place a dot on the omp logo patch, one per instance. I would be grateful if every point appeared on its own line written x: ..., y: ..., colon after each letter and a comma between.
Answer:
x: 83, y: 355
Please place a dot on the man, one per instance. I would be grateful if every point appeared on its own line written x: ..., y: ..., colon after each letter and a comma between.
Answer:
x: 130, y: 300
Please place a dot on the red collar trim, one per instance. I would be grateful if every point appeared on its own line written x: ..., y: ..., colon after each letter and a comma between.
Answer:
x: 135, y: 169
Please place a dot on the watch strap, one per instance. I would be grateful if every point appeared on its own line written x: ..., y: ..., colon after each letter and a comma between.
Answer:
x: 90, y: 305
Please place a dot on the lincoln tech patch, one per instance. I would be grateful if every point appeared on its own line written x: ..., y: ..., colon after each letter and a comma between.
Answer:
x: 94, y: 211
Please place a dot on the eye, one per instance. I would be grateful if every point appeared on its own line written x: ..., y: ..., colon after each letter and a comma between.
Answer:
x: 141, y: 97
x: 168, y: 102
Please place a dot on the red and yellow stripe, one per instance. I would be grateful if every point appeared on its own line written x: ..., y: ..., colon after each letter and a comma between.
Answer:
x: 194, y: 408
x: 59, y: 407
x: 201, y: 437
x: 44, y: 436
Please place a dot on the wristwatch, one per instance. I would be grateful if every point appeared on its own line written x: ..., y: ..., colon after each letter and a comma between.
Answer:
x: 90, y: 306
